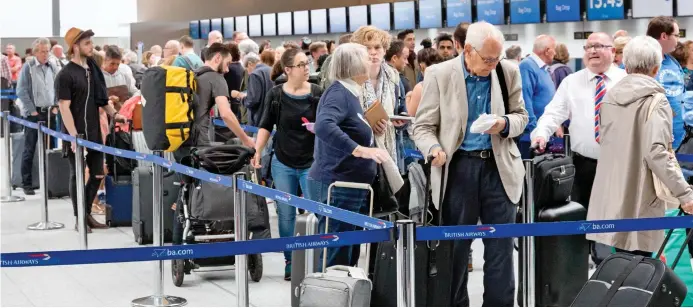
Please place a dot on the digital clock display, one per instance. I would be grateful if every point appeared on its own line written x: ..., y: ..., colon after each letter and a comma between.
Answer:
x: 605, y: 9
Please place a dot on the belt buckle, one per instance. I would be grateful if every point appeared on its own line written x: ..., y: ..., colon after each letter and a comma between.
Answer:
x: 484, y: 154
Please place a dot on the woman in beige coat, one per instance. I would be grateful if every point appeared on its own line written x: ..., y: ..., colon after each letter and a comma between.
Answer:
x: 633, y: 147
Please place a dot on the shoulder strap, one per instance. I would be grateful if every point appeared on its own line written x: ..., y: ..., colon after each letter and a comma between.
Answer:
x: 655, y: 100
x: 187, y: 61
x: 619, y: 280
x: 503, y: 86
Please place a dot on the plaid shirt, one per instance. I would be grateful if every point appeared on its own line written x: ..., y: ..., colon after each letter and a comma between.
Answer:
x: 5, y: 68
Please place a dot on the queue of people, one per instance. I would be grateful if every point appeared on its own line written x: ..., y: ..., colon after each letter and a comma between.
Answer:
x: 316, y: 98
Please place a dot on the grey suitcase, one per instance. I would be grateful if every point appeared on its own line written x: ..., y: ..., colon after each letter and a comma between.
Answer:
x: 140, y: 146
x: 17, y: 153
x: 142, y: 207
x: 339, y: 286
x: 303, y: 262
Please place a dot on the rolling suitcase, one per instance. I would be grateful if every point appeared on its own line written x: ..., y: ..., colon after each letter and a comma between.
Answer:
x: 339, y: 286
x: 303, y: 262
x: 17, y: 140
x: 142, y: 203
x: 118, y: 201
x: 433, y: 266
x: 627, y: 280
x: 57, y: 170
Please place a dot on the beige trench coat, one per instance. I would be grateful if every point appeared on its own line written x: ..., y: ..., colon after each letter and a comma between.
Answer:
x: 632, y: 148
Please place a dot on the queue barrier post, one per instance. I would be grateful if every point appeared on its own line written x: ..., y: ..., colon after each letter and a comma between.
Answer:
x: 44, y: 224
x: 528, y: 264
x: 240, y: 226
x: 79, y: 183
x: 405, y: 264
x: 158, y: 299
x: 6, y: 163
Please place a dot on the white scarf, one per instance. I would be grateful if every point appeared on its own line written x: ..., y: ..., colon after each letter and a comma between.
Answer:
x: 384, y: 91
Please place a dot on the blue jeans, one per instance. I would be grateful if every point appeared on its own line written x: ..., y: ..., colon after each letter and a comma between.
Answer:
x: 287, y: 180
x: 344, y: 198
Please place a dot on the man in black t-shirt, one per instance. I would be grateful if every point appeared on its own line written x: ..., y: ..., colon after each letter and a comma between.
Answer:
x: 81, y: 90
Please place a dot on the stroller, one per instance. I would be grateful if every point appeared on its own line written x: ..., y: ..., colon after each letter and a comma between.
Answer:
x: 207, y: 211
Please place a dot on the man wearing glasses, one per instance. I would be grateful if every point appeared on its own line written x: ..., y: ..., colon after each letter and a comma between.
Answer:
x: 484, y: 171
x: 665, y: 30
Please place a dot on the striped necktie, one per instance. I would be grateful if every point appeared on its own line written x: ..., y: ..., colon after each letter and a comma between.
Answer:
x: 598, y: 98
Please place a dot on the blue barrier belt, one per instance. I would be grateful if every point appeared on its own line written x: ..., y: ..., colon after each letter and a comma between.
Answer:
x: 7, y: 91
x: 139, y: 254
x: 323, y: 209
x: 11, y: 96
x: 551, y: 228
x: 315, y: 207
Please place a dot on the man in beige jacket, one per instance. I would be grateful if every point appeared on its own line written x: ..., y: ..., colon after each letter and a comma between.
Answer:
x: 636, y: 137
x: 485, y: 172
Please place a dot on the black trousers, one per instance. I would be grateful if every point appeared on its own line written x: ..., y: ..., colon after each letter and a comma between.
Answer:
x: 585, y: 170
x: 30, y: 140
x: 94, y: 160
x: 475, y: 191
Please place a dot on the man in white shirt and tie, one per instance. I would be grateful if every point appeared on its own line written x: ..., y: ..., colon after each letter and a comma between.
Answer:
x: 578, y: 99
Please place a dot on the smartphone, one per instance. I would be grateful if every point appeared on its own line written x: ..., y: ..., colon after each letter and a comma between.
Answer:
x: 401, y: 118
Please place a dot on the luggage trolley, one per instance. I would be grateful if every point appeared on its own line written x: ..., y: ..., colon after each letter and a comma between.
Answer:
x: 207, y: 221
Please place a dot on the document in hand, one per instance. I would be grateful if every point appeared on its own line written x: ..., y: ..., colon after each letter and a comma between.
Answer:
x: 483, y: 123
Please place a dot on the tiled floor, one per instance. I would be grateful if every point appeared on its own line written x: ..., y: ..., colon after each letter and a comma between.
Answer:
x: 119, y: 283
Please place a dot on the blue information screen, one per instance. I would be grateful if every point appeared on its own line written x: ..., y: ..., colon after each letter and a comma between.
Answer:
x: 430, y: 14
x: 358, y: 17
x: 563, y: 10
x: 242, y: 24
x: 405, y: 17
x: 254, y: 25
x: 301, y: 23
x: 284, y: 23
x: 380, y: 16
x: 204, y: 29
x: 216, y: 25
x: 524, y: 12
x: 491, y: 11
x: 318, y: 21
x: 605, y: 9
x: 195, y: 29
x: 338, y: 20
x: 458, y: 11
x: 228, y: 28
x: 269, y: 24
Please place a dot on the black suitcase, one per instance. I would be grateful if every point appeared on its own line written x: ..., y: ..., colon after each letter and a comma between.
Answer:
x: 433, y: 266
x: 561, y: 264
x: 627, y: 280
x: 142, y: 203
x: 57, y: 174
x: 17, y: 140
x: 306, y: 224
x: 553, y: 179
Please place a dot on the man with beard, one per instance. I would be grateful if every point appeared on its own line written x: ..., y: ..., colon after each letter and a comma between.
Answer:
x: 81, y: 90
x: 213, y: 90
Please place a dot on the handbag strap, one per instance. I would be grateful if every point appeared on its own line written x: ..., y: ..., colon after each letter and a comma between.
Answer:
x: 619, y: 280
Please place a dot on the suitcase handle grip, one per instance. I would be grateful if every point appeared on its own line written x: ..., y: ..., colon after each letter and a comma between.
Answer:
x: 352, y: 185
x: 350, y: 271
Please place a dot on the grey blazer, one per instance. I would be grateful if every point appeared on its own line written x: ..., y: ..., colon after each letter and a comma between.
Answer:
x: 442, y: 119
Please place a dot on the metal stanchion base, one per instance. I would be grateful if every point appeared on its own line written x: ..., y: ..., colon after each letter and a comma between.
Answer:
x: 160, y: 301
x: 46, y: 226
x: 8, y: 199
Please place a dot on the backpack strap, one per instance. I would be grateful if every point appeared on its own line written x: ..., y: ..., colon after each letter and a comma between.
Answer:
x: 503, y: 86
x: 188, y: 61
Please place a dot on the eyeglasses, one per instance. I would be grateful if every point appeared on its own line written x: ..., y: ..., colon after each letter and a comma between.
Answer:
x: 488, y: 60
x: 596, y: 47
x: 301, y: 65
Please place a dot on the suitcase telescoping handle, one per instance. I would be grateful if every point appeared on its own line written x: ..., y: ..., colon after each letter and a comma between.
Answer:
x: 327, y: 219
x: 432, y: 255
x: 683, y: 247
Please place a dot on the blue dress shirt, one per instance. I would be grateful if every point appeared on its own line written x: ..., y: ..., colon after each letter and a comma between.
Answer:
x: 478, y: 102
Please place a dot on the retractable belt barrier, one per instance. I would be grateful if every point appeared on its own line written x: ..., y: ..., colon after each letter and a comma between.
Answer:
x: 8, y: 94
x: 378, y: 230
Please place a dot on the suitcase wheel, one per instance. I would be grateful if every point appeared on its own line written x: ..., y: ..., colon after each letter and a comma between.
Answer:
x: 139, y: 240
x: 255, y: 267
x: 178, y: 272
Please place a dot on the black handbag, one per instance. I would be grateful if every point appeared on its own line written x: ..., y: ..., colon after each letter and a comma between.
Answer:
x: 553, y: 179
x: 384, y: 199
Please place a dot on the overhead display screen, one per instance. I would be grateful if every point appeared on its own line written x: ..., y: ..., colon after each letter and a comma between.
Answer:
x: 284, y: 23
x: 254, y: 25
x: 338, y: 20
x: 204, y: 29
x: 269, y: 24
x: 358, y: 17
x: 195, y: 30
x: 605, y: 9
x: 458, y: 11
x: 563, y: 10
x: 228, y: 27
x: 405, y: 18
x: 242, y: 24
x: 301, y: 23
x: 380, y: 16
x: 524, y: 12
x: 430, y: 14
x: 684, y: 8
x: 216, y: 25
x: 652, y: 8
x: 318, y: 21
x: 491, y: 11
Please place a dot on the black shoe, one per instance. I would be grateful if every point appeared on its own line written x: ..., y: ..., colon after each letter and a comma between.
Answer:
x: 29, y: 191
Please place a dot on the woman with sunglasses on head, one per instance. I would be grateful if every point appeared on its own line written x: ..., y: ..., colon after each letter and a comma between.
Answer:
x: 287, y: 107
